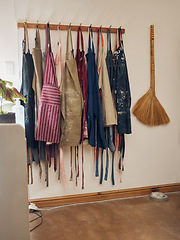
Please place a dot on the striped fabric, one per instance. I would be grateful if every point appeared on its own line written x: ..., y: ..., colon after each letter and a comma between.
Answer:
x: 48, y: 125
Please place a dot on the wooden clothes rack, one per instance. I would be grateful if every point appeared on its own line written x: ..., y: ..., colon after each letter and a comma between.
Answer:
x: 65, y: 27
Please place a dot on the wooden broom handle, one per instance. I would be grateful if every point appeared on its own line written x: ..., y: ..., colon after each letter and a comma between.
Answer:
x: 152, y: 57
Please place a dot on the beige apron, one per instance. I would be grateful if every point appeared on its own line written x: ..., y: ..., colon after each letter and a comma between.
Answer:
x: 108, y: 106
x: 38, y: 74
x: 71, y: 100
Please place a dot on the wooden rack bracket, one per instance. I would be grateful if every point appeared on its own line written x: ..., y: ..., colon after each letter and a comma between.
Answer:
x: 65, y: 27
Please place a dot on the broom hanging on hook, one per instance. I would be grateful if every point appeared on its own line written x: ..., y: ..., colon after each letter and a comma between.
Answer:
x: 148, y: 109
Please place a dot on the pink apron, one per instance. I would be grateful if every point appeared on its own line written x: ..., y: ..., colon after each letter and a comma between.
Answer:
x: 48, y: 125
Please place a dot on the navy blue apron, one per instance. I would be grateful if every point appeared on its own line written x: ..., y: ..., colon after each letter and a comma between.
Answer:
x: 109, y: 130
x: 94, y: 112
x: 122, y: 91
x: 29, y: 107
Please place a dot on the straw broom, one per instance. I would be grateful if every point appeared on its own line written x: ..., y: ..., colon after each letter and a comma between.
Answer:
x: 148, y: 109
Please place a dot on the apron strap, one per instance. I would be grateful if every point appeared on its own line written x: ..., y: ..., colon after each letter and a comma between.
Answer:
x: 122, y: 151
x: 49, y: 154
x: 62, y: 169
x: 71, y: 177
x: 117, y: 35
x: 107, y: 155
x: 82, y: 43
x: 99, y: 40
x: 97, y: 162
x: 55, y: 158
x: 75, y: 161
x: 48, y: 40
x: 26, y: 39
x: 69, y: 42
x: 91, y: 44
x: 46, y: 167
x: 100, y: 37
x: 59, y: 50
x: 101, y: 176
x: 112, y: 173
x: 121, y: 39
x: 37, y: 38
x: 108, y: 40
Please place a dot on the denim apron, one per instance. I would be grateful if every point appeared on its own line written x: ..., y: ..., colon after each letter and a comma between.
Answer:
x: 94, y: 111
x: 109, y: 130
x: 121, y: 90
x: 107, y: 101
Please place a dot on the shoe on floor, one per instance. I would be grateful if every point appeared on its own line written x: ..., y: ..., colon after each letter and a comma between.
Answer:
x: 158, y: 196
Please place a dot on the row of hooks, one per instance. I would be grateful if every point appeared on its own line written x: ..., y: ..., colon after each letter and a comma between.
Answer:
x: 65, y: 27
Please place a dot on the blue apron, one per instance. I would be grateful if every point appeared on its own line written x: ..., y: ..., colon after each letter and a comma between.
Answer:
x: 122, y: 89
x: 94, y: 112
x: 109, y: 130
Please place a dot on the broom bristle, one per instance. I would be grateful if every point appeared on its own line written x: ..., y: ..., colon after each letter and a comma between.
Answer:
x: 149, y: 110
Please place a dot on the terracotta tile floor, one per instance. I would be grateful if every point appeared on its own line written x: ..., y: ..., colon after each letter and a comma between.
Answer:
x: 126, y: 219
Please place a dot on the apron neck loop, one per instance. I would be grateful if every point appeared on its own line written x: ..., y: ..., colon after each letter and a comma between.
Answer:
x: 48, y: 40
x: 82, y: 43
x: 37, y: 39
x: 91, y: 39
x: 120, y: 39
x: 100, y: 37
x: 26, y: 39
x: 69, y: 42
x: 108, y: 40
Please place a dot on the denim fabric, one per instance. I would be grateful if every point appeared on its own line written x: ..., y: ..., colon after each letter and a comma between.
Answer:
x: 101, y: 175
x: 112, y: 173
x: 122, y: 91
x: 94, y: 112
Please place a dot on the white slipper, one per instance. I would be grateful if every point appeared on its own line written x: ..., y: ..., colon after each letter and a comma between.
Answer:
x: 158, y: 196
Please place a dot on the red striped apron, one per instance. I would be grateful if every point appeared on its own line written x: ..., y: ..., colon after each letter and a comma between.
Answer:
x: 48, y: 125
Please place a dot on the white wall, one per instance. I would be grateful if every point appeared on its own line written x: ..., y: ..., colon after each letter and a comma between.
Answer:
x: 152, y: 153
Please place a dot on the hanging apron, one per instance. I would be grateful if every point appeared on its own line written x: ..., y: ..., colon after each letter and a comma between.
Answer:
x: 123, y: 98
x: 38, y: 73
x: 29, y: 106
x: 48, y: 125
x: 71, y: 100
x: 108, y: 107
x: 59, y: 72
x: 37, y: 87
x: 109, y: 130
x: 94, y: 113
x: 27, y: 92
x: 82, y: 74
x: 123, y: 95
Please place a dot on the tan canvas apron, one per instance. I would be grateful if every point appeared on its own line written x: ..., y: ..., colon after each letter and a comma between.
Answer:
x: 38, y: 74
x: 108, y: 107
x: 71, y: 100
